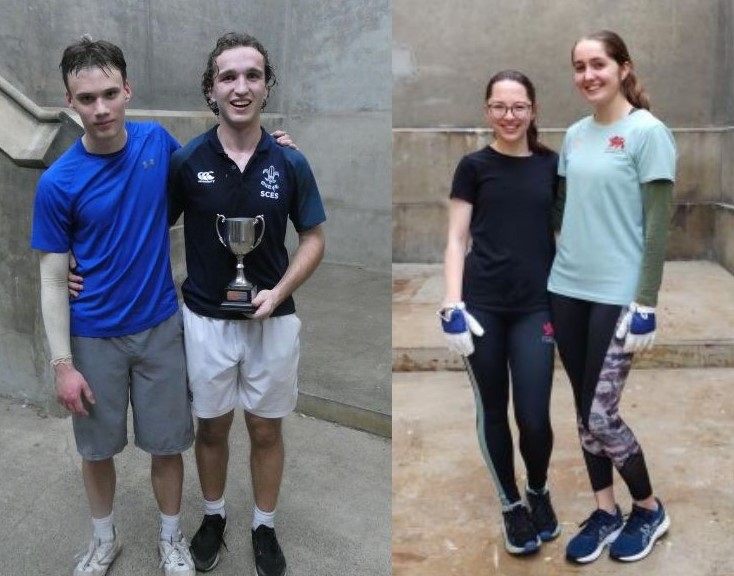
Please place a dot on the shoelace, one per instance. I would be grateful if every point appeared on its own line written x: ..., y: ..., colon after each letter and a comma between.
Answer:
x: 174, y: 554
x: 90, y: 554
x: 267, y: 542
x: 211, y: 532
x: 86, y: 556
x: 520, y: 526
x: 636, y: 520
x: 593, y: 524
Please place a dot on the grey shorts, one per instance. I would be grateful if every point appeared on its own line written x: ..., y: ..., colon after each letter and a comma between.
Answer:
x: 146, y: 369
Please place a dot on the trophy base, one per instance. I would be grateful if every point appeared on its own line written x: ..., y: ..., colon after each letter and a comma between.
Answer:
x: 239, y: 299
x: 234, y: 306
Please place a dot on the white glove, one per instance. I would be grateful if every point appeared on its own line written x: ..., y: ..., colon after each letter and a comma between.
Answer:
x: 637, y: 328
x: 458, y: 326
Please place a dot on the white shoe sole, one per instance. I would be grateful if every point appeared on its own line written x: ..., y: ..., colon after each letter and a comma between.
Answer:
x: 596, y: 553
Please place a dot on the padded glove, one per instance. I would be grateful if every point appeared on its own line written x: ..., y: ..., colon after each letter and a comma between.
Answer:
x: 458, y: 326
x: 637, y: 328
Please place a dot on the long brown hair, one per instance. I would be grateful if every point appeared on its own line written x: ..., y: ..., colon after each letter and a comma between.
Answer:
x: 515, y: 76
x: 616, y: 49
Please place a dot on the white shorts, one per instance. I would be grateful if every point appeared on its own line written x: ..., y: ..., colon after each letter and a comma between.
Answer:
x: 248, y: 364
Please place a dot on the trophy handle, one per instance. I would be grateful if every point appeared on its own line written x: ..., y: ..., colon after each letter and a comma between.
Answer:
x: 262, y: 230
x: 216, y: 225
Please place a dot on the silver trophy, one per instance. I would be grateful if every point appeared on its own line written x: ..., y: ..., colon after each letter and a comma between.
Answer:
x: 239, y: 238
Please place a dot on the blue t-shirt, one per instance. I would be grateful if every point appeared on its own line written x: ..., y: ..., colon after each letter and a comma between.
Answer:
x: 110, y: 211
x: 600, y: 248
x: 204, y: 182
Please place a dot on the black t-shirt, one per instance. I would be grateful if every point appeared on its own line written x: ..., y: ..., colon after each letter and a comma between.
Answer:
x: 512, y: 238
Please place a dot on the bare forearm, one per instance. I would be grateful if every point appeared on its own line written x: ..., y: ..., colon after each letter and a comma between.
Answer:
x: 305, y: 260
x: 454, y: 269
x: 457, y: 242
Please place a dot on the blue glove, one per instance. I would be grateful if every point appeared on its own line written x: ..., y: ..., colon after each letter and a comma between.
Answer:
x: 637, y: 328
x: 458, y: 326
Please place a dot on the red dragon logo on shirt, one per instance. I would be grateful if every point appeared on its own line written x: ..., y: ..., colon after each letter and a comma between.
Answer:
x: 616, y: 143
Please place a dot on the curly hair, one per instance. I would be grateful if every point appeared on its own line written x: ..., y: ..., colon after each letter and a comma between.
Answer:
x: 227, y: 42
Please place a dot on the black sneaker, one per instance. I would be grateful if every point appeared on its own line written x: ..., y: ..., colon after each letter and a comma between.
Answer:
x: 542, y: 515
x: 207, y: 541
x: 269, y: 559
x: 520, y: 534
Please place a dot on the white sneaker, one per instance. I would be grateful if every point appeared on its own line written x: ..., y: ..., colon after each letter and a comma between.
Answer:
x: 99, y: 558
x: 176, y: 559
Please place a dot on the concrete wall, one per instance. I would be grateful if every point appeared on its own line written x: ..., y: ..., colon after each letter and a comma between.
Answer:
x: 443, y: 55
x: 333, y: 96
x: 332, y: 60
x: 24, y: 370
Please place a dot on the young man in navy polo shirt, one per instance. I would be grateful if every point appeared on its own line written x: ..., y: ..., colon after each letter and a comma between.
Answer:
x: 235, y: 360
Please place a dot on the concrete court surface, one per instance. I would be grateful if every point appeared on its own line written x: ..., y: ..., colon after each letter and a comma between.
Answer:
x: 445, y: 512
x: 333, y: 516
x: 345, y: 366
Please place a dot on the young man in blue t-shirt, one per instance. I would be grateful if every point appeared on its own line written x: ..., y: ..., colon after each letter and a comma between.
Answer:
x: 238, y: 361
x: 121, y: 339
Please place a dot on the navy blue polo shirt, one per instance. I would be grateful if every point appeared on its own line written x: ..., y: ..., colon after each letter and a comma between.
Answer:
x: 277, y: 183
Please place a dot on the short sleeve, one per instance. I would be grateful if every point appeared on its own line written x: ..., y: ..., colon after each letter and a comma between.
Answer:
x: 308, y: 209
x: 464, y: 185
x: 655, y: 157
x: 51, y: 229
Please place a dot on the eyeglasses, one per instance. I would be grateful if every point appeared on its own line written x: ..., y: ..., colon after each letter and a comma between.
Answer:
x: 519, y: 110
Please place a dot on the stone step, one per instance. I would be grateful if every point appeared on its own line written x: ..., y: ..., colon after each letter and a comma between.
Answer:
x: 695, y: 318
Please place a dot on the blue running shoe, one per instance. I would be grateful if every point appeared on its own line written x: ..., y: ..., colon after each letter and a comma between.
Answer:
x: 598, y: 530
x: 642, y: 529
x: 520, y: 535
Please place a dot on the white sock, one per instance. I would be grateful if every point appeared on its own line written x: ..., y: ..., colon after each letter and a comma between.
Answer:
x: 215, y: 507
x: 170, y: 527
x: 260, y: 517
x: 104, y: 528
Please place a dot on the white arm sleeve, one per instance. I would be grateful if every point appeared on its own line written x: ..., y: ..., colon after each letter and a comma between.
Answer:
x: 55, y: 303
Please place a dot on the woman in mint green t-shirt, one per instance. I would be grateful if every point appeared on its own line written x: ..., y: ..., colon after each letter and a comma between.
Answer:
x: 616, y: 168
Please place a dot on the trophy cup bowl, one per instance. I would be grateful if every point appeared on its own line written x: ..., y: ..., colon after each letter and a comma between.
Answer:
x: 240, y: 239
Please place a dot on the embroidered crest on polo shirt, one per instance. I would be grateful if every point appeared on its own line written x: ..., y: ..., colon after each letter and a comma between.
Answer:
x: 149, y: 163
x: 270, y: 183
x: 206, y: 177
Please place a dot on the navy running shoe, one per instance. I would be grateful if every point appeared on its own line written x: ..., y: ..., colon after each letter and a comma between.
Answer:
x: 642, y: 528
x: 598, y: 530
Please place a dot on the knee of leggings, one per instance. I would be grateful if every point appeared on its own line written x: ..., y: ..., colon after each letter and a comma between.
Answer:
x: 600, y: 428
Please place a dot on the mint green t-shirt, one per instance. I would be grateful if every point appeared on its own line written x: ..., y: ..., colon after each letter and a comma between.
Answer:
x: 599, y: 251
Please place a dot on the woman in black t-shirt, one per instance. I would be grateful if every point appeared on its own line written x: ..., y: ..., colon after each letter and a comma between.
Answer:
x: 496, y: 312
